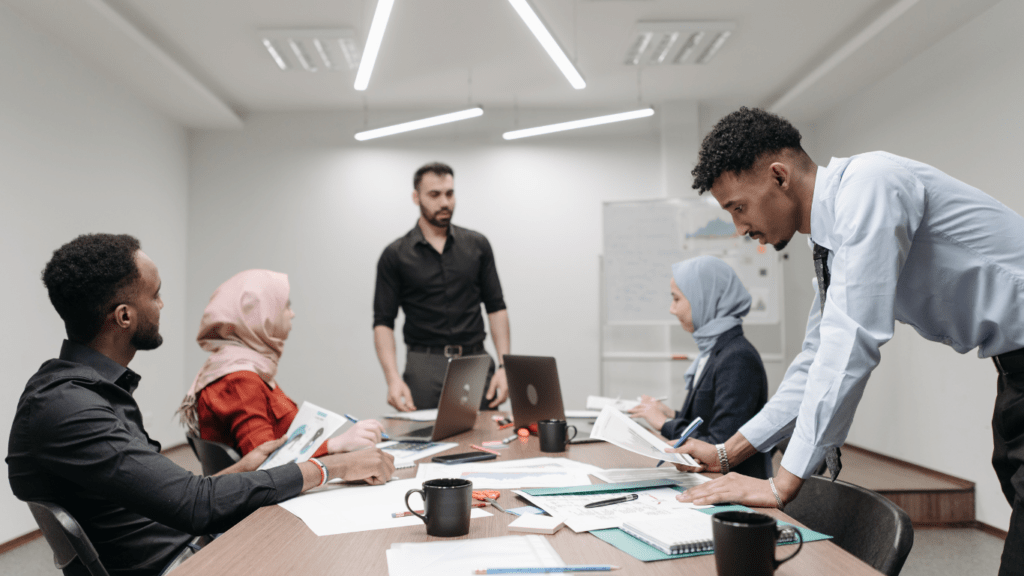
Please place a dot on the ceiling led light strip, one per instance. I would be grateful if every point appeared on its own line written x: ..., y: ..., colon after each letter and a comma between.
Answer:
x: 418, y: 124
x: 547, y: 41
x: 275, y: 54
x: 373, y: 40
x: 525, y: 133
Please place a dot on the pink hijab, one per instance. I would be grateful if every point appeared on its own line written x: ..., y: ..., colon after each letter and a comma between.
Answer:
x: 244, y: 329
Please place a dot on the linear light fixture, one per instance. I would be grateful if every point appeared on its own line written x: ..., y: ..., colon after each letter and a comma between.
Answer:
x: 585, y: 123
x: 676, y: 42
x: 373, y: 40
x: 548, y: 42
x: 716, y: 44
x: 418, y: 124
x: 312, y: 49
x: 275, y: 54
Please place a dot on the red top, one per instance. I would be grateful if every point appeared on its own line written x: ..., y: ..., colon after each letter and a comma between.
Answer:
x: 240, y: 410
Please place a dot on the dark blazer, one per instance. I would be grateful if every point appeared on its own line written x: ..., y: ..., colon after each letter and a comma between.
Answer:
x: 732, y: 389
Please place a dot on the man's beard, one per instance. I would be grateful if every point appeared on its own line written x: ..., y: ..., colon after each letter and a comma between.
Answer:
x: 147, y: 337
x: 434, y: 220
x: 780, y: 245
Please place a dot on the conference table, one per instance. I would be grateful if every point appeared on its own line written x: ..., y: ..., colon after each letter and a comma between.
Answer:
x: 273, y: 541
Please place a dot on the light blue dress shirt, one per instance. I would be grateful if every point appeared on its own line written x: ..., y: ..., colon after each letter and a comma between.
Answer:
x: 906, y: 242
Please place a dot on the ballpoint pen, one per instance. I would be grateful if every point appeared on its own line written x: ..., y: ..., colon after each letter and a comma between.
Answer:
x: 686, y: 434
x: 354, y: 420
x: 609, y: 502
x: 548, y: 569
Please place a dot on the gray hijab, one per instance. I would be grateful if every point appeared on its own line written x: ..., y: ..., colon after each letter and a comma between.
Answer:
x: 717, y: 298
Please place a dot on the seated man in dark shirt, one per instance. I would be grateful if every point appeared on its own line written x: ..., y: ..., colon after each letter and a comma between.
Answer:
x: 78, y: 439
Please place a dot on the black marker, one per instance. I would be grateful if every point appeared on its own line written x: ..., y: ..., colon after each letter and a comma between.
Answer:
x: 618, y: 500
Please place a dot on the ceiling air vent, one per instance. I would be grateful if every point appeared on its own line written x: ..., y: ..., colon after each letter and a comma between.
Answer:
x: 657, y: 43
x: 312, y: 49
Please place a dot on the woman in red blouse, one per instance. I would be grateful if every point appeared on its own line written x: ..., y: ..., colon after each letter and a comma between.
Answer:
x: 234, y: 399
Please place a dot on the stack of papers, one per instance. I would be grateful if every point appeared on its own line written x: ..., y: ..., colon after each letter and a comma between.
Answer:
x: 537, y: 524
x: 684, y: 479
x: 344, y: 509
x: 527, y: 473
x: 428, y: 415
x: 600, y: 402
x: 571, y: 506
x: 407, y: 453
x: 445, y: 558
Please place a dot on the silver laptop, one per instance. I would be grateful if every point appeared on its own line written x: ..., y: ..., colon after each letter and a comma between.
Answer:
x: 464, y: 383
x: 536, y: 394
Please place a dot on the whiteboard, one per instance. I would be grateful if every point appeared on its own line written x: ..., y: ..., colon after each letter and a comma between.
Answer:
x: 642, y: 239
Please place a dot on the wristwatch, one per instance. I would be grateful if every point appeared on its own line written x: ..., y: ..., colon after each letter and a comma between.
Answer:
x: 723, y: 458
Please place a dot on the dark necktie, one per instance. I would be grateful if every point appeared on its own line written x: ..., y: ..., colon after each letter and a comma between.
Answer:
x: 821, y: 269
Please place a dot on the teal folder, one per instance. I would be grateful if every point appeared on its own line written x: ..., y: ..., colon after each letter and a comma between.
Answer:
x: 637, y: 548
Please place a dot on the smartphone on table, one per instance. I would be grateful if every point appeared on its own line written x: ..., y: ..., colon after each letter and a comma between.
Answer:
x: 463, y: 458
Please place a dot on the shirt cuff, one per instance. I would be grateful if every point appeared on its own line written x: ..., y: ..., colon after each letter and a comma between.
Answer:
x: 381, y: 321
x: 762, y: 434
x: 803, y: 459
x: 287, y: 481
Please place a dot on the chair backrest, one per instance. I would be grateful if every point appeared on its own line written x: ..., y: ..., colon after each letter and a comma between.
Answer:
x: 862, y: 522
x: 213, y: 456
x: 73, y: 553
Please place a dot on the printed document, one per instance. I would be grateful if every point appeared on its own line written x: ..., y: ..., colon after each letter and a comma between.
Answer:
x: 615, y: 427
x: 526, y: 473
x: 448, y: 557
x: 428, y: 415
x: 684, y: 479
x: 571, y: 507
x: 311, y: 426
x: 599, y: 402
x: 343, y: 509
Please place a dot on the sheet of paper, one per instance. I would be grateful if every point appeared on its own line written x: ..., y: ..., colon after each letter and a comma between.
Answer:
x: 344, y: 509
x: 536, y: 524
x: 311, y: 426
x: 615, y: 427
x: 582, y: 413
x: 666, y: 472
x: 526, y: 473
x: 599, y: 402
x: 457, y: 557
x: 655, y: 502
x: 407, y: 453
x: 428, y: 415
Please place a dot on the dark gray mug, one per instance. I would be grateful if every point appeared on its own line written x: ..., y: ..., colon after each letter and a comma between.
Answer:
x: 554, y: 435
x: 447, y: 503
x: 745, y: 544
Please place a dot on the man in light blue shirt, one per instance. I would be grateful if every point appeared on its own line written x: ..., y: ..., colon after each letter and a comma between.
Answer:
x: 895, y: 239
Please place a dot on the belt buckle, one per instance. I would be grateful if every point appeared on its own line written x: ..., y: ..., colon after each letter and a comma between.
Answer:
x: 453, y: 351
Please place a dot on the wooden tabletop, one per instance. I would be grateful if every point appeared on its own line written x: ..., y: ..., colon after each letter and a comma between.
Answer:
x: 273, y: 541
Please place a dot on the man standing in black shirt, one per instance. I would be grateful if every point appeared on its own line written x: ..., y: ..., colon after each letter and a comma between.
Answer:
x: 439, y: 274
x: 78, y: 438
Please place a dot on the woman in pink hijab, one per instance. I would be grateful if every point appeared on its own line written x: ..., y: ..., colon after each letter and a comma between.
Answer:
x: 234, y: 399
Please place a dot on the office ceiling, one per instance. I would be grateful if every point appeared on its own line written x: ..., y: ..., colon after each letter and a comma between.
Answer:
x: 202, y: 62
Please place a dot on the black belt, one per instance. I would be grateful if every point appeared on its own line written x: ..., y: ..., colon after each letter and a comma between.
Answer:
x: 1010, y: 362
x: 450, y: 350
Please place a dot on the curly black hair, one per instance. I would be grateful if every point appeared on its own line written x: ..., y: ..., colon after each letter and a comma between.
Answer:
x: 738, y: 140
x: 439, y: 168
x: 86, y: 275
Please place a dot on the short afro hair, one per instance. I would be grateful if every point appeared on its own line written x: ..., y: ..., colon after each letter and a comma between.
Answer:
x: 86, y: 275
x: 737, y: 142
x: 439, y: 168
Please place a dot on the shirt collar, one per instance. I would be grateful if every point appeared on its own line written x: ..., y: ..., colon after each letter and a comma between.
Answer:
x: 417, y: 234
x: 104, y: 366
x: 821, y: 222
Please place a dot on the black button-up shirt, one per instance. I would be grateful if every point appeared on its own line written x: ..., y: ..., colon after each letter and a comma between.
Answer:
x: 439, y: 293
x: 78, y: 441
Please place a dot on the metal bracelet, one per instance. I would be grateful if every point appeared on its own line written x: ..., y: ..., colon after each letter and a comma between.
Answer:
x: 723, y: 458
x: 778, y: 499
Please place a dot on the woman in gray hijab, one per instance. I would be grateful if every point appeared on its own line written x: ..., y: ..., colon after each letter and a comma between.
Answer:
x: 726, y: 383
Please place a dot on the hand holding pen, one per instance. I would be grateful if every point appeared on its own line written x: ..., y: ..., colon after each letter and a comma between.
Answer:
x: 365, y: 434
x: 686, y: 434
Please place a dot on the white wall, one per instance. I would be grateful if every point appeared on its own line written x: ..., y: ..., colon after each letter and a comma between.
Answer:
x: 956, y: 106
x: 77, y: 155
x: 295, y: 193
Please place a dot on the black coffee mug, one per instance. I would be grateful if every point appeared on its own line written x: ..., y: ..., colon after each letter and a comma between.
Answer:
x: 447, y: 503
x: 554, y: 435
x: 745, y: 544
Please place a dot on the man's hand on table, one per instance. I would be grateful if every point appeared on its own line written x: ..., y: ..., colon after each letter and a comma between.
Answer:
x: 498, y: 390
x: 372, y: 465
x: 400, y: 397
x: 744, y: 490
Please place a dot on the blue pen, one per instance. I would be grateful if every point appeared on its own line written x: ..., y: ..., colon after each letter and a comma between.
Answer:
x: 354, y: 420
x: 549, y: 569
x: 686, y: 434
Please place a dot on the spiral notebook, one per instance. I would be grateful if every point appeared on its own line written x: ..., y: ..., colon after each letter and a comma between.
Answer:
x: 682, y: 532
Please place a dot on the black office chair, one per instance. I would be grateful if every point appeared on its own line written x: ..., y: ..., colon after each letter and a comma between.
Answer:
x: 213, y: 456
x: 73, y: 553
x: 862, y: 522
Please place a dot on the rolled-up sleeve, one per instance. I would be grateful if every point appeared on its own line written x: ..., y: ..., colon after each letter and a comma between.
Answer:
x: 93, y: 448
x: 386, y: 294
x: 490, y: 286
